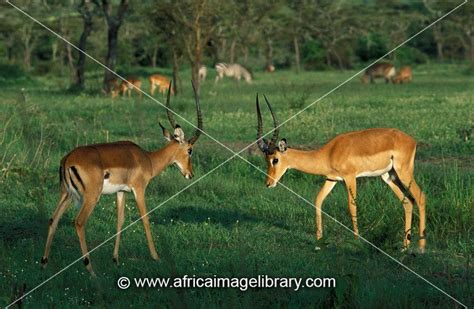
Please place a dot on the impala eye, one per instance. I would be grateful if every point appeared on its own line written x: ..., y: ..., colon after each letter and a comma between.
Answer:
x: 190, y: 152
x: 275, y: 161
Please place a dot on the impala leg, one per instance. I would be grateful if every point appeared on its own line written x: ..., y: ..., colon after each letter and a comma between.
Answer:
x: 420, y: 200
x: 352, y: 193
x: 120, y: 219
x: 419, y: 197
x: 64, y: 202
x: 323, y: 193
x: 152, y: 89
x: 407, y: 206
x: 80, y: 223
x: 140, y: 199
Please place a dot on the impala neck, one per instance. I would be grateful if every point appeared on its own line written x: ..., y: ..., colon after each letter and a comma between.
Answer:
x: 164, y: 157
x: 308, y: 161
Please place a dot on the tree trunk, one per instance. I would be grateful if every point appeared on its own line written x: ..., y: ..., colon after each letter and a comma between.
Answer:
x: 297, y: 53
x: 86, y: 31
x: 70, y: 62
x: 176, y: 77
x: 438, y: 37
x: 154, y: 56
x: 232, y: 50
x: 471, y: 39
x: 246, y: 54
x: 113, y: 23
x: 196, y: 63
x: 111, y: 60
x: 269, y: 52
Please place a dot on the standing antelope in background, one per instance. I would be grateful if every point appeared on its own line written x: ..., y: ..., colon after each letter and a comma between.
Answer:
x: 403, y: 75
x: 202, y: 73
x: 385, y: 70
x: 129, y: 84
x: 232, y: 70
x: 87, y: 172
x: 161, y: 82
x: 113, y: 86
x: 388, y: 153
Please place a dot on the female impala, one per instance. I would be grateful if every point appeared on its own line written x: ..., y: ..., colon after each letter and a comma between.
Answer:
x: 87, y: 172
x: 159, y: 81
x: 388, y: 153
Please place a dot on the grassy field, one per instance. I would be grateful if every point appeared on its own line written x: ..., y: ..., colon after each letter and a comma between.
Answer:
x: 229, y: 224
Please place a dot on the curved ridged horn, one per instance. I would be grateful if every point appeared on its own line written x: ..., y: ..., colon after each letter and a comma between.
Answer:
x: 168, y: 110
x: 276, y: 132
x: 198, y: 131
x: 262, y: 143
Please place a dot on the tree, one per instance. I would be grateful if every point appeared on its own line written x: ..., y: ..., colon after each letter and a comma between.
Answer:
x: 113, y: 25
x: 86, y: 11
x: 190, y: 25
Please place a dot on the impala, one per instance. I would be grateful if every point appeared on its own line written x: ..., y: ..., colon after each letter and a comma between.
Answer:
x: 388, y: 153
x: 403, y: 75
x: 159, y: 81
x: 384, y: 70
x: 87, y: 172
x: 131, y: 83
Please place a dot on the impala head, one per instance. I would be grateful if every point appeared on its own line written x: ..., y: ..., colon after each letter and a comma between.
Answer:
x: 182, y: 148
x: 275, y: 151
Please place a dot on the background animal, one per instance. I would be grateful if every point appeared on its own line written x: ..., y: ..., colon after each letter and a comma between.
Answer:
x: 403, y: 75
x: 202, y: 72
x: 234, y: 70
x: 379, y: 70
x: 131, y: 83
x: 270, y: 68
x: 161, y: 82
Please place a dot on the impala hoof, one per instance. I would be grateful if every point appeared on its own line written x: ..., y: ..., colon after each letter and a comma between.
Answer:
x: 44, y: 262
x: 115, y: 260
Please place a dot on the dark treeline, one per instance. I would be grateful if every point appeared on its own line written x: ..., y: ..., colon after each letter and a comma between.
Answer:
x: 298, y: 35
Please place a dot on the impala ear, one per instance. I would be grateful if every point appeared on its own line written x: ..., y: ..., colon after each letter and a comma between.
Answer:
x: 282, y: 146
x: 166, y: 133
x: 178, y: 134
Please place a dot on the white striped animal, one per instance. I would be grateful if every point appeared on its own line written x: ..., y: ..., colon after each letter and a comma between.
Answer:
x: 234, y: 70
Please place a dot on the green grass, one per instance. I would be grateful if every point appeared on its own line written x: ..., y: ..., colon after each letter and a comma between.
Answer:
x: 229, y: 224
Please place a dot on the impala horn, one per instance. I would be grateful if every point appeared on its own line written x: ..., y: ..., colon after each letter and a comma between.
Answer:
x: 168, y: 109
x: 276, y: 130
x: 198, y: 131
x: 261, y: 142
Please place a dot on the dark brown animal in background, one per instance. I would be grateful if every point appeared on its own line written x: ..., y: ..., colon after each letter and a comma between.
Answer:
x: 379, y: 70
x: 403, y: 75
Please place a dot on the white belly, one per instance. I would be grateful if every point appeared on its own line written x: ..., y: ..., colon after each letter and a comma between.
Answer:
x: 376, y: 173
x: 111, y: 188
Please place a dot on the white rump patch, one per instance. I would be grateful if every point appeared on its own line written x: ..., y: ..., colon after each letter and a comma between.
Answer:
x: 111, y: 188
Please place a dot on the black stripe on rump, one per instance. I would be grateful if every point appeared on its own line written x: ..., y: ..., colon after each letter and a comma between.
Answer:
x: 396, y: 180
x: 76, y: 174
